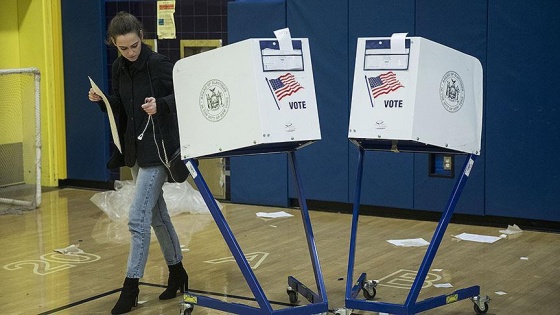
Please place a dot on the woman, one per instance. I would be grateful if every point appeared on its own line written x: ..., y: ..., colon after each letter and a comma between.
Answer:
x: 143, y: 98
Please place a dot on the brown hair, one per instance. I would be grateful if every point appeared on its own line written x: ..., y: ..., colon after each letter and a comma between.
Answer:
x: 123, y: 23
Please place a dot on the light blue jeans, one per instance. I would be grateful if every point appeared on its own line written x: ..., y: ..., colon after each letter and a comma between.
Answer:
x: 149, y: 209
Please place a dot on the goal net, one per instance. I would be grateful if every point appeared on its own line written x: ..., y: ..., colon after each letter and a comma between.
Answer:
x: 20, y: 140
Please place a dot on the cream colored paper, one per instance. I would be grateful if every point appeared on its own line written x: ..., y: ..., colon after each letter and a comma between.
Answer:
x: 165, y: 20
x: 112, y: 123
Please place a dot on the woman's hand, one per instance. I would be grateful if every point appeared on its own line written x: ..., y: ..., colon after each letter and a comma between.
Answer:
x: 94, y: 97
x: 150, y: 107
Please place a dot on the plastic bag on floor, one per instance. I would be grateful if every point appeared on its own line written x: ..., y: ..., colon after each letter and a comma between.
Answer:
x: 179, y: 197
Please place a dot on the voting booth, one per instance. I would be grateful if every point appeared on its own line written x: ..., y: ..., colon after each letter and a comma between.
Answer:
x: 411, y: 94
x: 418, y: 94
x: 246, y: 97
x: 256, y: 96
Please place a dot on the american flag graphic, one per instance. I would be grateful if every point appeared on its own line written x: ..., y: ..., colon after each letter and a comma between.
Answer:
x: 384, y: 84
x: 285, y: 85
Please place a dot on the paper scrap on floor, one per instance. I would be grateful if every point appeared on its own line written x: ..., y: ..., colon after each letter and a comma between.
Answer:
x: 443, y: 285
x: 477, y: 238
x: 511, y: 229
x: 411, y: 242
x: 273, y: 215
x: 70, y: 250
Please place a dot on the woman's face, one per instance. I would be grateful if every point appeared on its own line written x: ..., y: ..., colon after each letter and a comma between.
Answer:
x: 129, y: 45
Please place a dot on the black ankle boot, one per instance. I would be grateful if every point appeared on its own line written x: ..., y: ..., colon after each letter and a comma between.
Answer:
x: 128, y: 297
x: 178, y: 280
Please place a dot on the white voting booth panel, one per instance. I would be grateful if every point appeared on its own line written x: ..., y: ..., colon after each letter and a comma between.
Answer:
x: 245, y: 95
x: 413, y: 89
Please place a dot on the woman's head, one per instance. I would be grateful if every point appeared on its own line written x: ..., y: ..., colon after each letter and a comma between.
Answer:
x: 125, y: 32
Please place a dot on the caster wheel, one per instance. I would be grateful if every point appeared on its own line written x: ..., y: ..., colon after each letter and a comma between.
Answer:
x: 186, y: 309
x: 481, y: 311
x: 293, y: 295
x: 368, y: 288
x: 369, y: 294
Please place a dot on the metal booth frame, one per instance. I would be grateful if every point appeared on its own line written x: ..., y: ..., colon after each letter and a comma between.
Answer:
x: 318, y: 300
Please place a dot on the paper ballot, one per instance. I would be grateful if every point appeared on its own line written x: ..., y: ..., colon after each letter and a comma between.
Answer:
x: 284, y: 39
x: 112, y: 123
x: 398, y: 41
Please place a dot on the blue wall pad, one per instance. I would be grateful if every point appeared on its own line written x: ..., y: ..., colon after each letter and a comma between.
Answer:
x: 324, y: 165
x: 462, y: 26
x: 260, y: 179
x: 87, y: 128
x: 432, y: 193
x: 387, y: 177
x: 522, y: 122
x: 254, y: 19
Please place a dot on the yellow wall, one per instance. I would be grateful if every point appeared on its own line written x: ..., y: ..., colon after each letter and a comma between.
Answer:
x: 31, y: 34
x: 9, y: 57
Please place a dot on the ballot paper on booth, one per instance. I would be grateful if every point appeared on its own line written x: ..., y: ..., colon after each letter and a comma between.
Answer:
x: 415, y: 94
x: 251, y: 96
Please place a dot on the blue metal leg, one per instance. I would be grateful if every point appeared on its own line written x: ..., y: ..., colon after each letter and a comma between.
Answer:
x: 229, y: 238
x: 410, y: 306
x: 319, y: 300
x: 322, y: 296
x: 440, y: 230
x: 352, y: 293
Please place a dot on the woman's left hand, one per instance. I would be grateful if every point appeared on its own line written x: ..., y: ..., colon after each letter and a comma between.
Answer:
x: 150, y: 107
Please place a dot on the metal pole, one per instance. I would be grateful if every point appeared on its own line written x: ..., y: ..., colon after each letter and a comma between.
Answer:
x: 438, y: 234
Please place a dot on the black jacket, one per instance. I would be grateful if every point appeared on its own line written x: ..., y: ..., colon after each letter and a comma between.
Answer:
x: 151, y: 75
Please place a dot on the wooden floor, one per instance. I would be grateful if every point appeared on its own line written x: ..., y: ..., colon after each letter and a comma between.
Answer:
x: 36, y: 280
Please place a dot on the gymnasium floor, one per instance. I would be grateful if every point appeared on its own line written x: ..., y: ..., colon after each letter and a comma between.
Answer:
x: 520, y: 273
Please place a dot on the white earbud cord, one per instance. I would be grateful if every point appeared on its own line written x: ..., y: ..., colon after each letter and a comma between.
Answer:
x: 166, y: 163
x: 146, y: 127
